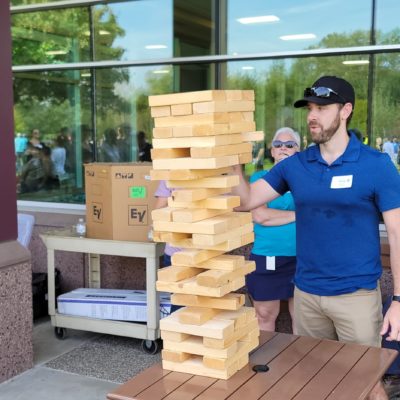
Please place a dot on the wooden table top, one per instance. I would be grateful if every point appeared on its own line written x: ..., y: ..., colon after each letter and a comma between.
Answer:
x: 300, y: 368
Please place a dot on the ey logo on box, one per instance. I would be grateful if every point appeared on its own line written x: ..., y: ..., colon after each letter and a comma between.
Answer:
x: 137, y: 215
x: 97, y: 212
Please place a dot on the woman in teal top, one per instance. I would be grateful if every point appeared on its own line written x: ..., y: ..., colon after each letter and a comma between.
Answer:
x: 274, y: 248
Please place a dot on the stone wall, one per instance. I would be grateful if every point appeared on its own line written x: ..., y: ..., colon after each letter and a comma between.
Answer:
x: 16, y: 352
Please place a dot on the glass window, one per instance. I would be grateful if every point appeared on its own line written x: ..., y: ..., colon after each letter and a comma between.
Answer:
x: 51, y: 37
x: 387, y: 22
x: 386, y: 99
x: 122, y: 104
x: 276, y: 26
x: 158, y: 29
x: 279, y: 83
x: 52, y: 112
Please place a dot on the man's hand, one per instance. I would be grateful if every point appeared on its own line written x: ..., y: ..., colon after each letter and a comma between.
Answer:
x: 392, y: 322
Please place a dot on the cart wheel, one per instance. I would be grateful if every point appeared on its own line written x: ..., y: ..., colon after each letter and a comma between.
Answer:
x: 150, y: 346
x: 60, y: 333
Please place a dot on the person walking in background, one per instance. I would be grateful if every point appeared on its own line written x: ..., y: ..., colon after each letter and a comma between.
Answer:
x: 340, y: 186
x: 144, y: 147
x: 59, y: 156
x: 388, y: 148
x: 274, y: 248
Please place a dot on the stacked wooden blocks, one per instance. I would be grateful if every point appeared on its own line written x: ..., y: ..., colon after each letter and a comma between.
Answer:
x: 197, y: 137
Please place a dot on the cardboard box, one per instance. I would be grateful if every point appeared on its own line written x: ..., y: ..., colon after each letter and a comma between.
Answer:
x: 114, y: 304
x: 119, y: 201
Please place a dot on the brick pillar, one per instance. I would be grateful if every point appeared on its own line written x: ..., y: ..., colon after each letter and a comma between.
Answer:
x: 16, y: 353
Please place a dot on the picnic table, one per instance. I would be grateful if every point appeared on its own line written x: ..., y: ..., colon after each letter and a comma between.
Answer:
x: 299, y: 367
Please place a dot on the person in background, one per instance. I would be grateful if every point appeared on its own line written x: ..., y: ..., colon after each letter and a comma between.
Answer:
x: 34, y: 144
x: 340, y: 186
x: 108, y: 151
x: 388, y: 148
x: 59, y: 156
x: 274, y: 248
x: 144, y: 147
x: 20, y: 144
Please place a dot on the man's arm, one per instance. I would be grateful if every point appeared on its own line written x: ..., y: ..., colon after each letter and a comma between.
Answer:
x: 272, y: 217
x: 391, y: 321
x: 252, y: 195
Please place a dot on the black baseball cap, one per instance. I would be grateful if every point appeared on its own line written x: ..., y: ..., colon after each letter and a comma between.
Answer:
x: 328, y: 90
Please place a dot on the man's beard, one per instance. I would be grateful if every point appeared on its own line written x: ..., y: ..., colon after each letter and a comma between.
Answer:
x: 326, y: 134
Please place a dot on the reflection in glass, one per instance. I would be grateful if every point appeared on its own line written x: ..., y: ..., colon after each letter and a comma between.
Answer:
x: 255, y: 26
x: 279, y: 83
x: 387, y: 22
x: 125, y: 31
x: 52, y: 113
x: 50, y: 37
x: 386, y: 95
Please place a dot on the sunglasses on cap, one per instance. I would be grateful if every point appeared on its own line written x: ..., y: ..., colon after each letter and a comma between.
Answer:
x: 290, y: 144
x: 322, y: 92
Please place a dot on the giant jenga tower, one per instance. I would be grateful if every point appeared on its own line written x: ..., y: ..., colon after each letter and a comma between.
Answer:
x: 197, y: 137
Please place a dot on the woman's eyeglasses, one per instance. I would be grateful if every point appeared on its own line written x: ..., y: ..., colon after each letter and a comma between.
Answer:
x: 290, y: 144
x: 322, y: 92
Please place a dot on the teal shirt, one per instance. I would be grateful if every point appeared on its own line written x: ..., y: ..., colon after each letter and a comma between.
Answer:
x: 275, y: 240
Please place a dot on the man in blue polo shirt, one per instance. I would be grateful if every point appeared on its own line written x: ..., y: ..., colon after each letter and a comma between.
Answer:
x: 340, y: 187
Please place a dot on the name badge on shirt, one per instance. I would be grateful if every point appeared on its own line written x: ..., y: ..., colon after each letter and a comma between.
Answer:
x: 342, y: 182
x: 270, y: 263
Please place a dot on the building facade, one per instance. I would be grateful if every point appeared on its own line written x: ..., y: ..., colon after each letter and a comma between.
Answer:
x: 83, y: 69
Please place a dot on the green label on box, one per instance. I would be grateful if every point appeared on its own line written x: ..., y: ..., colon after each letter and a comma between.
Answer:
x: 137, y: 192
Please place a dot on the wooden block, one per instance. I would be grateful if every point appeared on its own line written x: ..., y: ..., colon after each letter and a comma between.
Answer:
x: 223, y: 363
x: 247, y: 238
x: 181, y: 109
x: 194, y: 119
x: 196, y: 163
x: 223, y: 106
x: 240, y: 317
x: 162, y: 133
x: 239, y: 126
x: 237, y: 335
x: 216, y: 203
x: 195, y: 214
x: 195, y: 366
x: 196, y: 194
x: 216, y: 329
x: 175, y: 274
x: 197, y: 315
x: 245, y: 158
x: 190, y: 286
x: 166, y: 237
x: 223, y: 181
x: 192, y: 257
x: 239, y: 95
x: 227, y: 262
x: 217, y: 151
x: 248, y: 116
x: 211, y: 240
x: 241, y: 116
x: 188, y: 174
x: 205, y: 141
x: 174, y: 356
x: 217, y: 278
x: 160, y: 111
x: 186, y: 97
x: 169, y: 153
x: 162, y: 214
x: 257, y: 136
x: 194, y: 345
x: 229, y: 245
x: 200, y: 130
x: 219, y: 224
x: 174, y: 336
x: 231, y: 301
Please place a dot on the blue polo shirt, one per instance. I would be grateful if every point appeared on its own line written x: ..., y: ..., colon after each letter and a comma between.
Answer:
x: 337, y: 215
